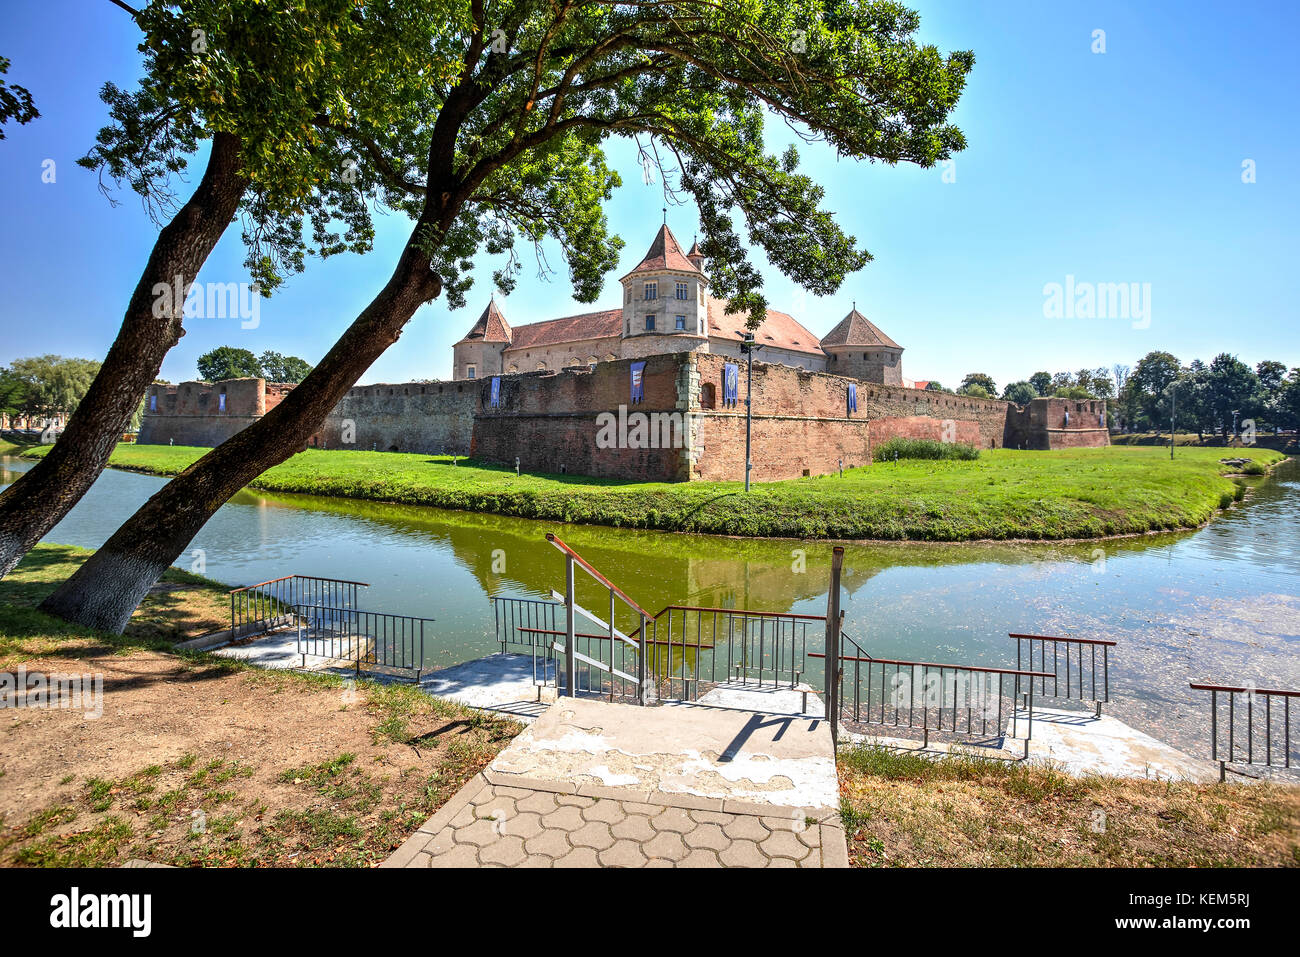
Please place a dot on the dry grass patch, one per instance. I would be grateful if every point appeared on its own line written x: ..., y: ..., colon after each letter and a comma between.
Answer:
x: 901, y: 809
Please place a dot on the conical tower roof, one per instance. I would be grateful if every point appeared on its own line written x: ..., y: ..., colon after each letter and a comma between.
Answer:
x: 855, y: 329
x: 491, y: 326
x: 664, y: 253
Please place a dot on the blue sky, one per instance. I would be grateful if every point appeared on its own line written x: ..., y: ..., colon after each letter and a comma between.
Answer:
x: 1115, y: 167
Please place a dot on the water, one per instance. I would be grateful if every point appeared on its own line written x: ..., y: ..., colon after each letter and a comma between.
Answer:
x: 1218, y: 604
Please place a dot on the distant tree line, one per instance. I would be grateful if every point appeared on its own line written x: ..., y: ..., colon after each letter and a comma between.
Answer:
x: 1207, y: 399
x: 227, y: 362
x: 44, y: 387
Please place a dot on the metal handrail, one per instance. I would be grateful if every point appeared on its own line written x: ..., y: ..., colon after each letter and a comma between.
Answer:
x: 263, y: 606
x: 377, y: 638
x: 1079, y: 666
x: 1251, y: 694
x: 285, y: 578
x: 572, y: 656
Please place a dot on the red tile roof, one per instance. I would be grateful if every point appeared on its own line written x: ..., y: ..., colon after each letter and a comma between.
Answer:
x: 664, y: 253
x: 855, y: 329
x: 588, y: 325
x: 780, y: 330
x: 491, y: 326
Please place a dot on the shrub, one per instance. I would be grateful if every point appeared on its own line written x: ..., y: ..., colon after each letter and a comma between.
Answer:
x: 922, y: 449
x: 1254, y: 468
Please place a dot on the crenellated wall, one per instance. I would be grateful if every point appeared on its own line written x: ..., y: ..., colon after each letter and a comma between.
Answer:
x: 582, y: 421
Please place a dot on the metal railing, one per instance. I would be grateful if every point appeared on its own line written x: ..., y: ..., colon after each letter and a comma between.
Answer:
x: 1071, y: 664
x: 602, y: 666
x: 1262, y: 720
x: 693, y: 648
x: 522, y: 626
x: 374, y: 640
x: 256, y: 609
x: 928, y: 696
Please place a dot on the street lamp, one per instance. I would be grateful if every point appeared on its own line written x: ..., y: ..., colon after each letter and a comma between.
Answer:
x: 1173, y: 416
x: 747, y: 348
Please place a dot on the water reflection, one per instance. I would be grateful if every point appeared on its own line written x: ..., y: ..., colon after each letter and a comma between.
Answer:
x: 1218, y: 603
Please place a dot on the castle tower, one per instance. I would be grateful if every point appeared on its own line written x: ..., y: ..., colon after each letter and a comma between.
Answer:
x: 858, y: 349
x: 479, y: 353
x: 695, y: 256
x: 665, y: 301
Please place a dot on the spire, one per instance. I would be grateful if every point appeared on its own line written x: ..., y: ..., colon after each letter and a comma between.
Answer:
x: 695, y: 256
x: 491, y: 325
x: 664, y: 253
x: 855, y: 329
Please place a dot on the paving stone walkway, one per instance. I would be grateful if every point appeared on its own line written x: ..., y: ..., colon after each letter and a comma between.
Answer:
x: 595, y: 784
x: 551, y: 824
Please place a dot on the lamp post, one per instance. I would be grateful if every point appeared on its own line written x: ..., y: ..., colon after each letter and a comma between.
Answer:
x: 1173, y: 416
x: 748, y: 348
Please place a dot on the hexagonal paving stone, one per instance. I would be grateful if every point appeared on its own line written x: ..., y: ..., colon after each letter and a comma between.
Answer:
x: 622, y: 854
x: 707, y: 835
x: 666, y: 845
x: 507, y: 851
x: 674, y: 819
x: 784, y: 844
x: 566, y: 818
x: 481, y: 832
x: 578, y: 857
x: 607, y: 812
x: 634, y: 827
x: 593, y: 834
x: 640, y: 807
x: 745, y: 828
x: 552, y: 843
x: 575, y: 800
x: 462, y: 855
x: 742, y: 854
x: 523, y: 825
x: 710, y: 817
x: 498, y: 807
x: 699, y: 858
x: 539, y: 802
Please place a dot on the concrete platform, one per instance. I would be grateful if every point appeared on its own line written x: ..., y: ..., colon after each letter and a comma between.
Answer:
x: 1078, y: 742
x: 595, y: 784
x: 769, y: 699
x: 502, y: 683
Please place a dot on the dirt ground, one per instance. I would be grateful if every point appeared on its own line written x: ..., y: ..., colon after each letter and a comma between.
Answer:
x: 200, y: 762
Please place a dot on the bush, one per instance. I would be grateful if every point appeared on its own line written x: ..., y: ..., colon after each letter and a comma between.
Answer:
x: 1254, y: 468
x: 922, y: 449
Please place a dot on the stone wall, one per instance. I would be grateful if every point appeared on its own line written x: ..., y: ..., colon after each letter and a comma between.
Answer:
x: 551, y: 421
x: 205, y: 414
x: 1052, y: 423
x: 429, y: 417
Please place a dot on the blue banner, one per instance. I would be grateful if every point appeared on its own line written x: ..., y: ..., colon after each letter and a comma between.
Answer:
x: 730, y: 383
x: 853, y: 397
x: 494, y: 399
x: 638, y: 382
x: 1101, y: 419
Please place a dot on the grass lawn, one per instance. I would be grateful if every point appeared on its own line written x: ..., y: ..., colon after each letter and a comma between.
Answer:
x: 201, y: 760
x: 903, y: 810
x: 1005, y: 494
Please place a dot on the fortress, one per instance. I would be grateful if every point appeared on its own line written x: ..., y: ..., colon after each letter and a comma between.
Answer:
x: 650, y: 391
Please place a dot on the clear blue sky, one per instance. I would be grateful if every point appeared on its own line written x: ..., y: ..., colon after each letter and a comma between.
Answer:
x: 1115, y: 167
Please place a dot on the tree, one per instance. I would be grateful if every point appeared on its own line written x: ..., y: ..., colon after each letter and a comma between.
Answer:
x: 513, y: 149
x: 1288, y: 404
x: 1041, y: 381
x: 1150, y: 382
x: 985, y: 382
x: 975, y: 390
x: 277, y: 90
x: 1021, y: 393
x: 1232, y: 392
x: 53, y: 385
x: 934, y: 386
x: 13, y: 393
x: 1272, y: 381
x: 278, y: 368
x: 228, y: 362
x: 15, y: 102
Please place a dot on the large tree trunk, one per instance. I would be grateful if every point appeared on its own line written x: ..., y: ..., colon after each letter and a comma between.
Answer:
x: 42, y: 496
x: 107, y: 588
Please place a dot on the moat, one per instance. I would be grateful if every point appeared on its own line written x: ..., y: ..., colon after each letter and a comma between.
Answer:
x: 1219, y: 603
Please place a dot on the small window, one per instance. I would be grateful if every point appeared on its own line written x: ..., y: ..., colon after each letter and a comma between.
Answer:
x: 470, y: 372
x: 708, y: 396
x: 680, y: 323
x: 652, y: 290
x: 649, y: 323
x: 683, y: 291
